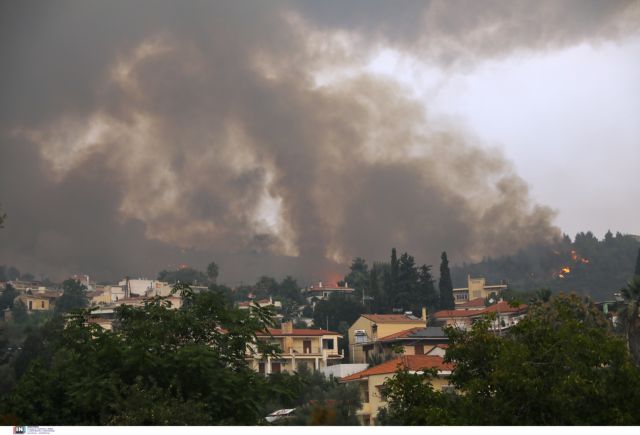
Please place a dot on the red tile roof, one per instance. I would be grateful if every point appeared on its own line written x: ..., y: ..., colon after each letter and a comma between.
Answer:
x: 391, y: 318
x: 410, y: 362
x: 401, y: 334
x: 502, y: 307
x: 473, y: 303
x: 277, y: 332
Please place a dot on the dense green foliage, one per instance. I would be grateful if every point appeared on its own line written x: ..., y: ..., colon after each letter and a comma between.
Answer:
x: 561, y: 365
x: 445, y: 285
x: 397, y: 286
x: 74, y: 297
x: 630, y: 316
x: 160, y: 366
x: 318, y: 400
x: 183, y: 275
x: 598, y: 268
x: 7, y: 297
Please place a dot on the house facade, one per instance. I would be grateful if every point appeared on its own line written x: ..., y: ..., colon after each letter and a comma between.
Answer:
x: 371, y: 381
x: 506, y: 316
x: 324, y: 292
x: 312, y: 348
x: 370, y: 327
x: 476, y: 288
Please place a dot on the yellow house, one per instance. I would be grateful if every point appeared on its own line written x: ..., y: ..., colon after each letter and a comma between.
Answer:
x: 370, y: 327
x: 312, y: 348
x: 371, y: 381
x: 476, y: 288
x: 35, y: 302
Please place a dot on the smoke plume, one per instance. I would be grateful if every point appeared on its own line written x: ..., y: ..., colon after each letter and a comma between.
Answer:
x: 135, y: 136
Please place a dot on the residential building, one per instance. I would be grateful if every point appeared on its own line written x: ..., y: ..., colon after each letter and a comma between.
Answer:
x: 476, y: 288
x: 371, y: 381
x: 413, y: 341
x: 245, y: 305
x: 35, y: 302
x: 506, y: 316
x: 369, y: 327
x: 312, y: 348
x: 324, y: 292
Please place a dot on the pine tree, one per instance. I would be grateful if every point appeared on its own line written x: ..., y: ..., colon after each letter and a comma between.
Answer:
x: 394, y: 269
x: 445, y: 285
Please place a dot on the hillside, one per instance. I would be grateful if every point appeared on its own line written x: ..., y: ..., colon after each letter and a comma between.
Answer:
x: 585, y: 265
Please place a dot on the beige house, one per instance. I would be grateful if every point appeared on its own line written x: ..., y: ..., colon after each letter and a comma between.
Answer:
x: 506, y: 316
x: 415, y: 341
x: 35, y: 302
x: 371, y: 381
x: 370, y: 327
x: 476, y: 288
x: 324, y: 292
x: 313, y: 348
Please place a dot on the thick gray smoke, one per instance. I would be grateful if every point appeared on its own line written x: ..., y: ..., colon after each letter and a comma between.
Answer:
x: 140, y: 135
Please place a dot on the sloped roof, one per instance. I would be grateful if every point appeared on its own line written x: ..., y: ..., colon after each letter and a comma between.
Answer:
x: 392, y: 318
x: 277, y: 332
x: 477, y: 303
x: 416, y: 333
x: 410, y: 362
x: 502, y: 307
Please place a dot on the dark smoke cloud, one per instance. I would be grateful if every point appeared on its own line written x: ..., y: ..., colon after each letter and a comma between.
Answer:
x: 138, y: 137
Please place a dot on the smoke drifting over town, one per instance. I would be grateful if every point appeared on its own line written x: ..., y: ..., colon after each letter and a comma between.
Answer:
x: 134, y: 136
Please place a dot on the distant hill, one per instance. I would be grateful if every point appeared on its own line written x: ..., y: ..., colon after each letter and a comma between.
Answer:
x: 585, y: 265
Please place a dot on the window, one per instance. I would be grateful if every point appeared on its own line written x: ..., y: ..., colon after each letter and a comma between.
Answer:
x: 360, y: 336
x: 30, y: 305
x: 306, y: 346
x: 276, y: 367
x: 365, y: 392
x: 327, y: 343
x: 42, y: 302
x: 419, y: 349
x: 261, y: 368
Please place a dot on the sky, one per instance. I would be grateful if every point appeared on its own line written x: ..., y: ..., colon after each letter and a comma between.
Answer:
x: 567, y: 119
x: 289, y: 137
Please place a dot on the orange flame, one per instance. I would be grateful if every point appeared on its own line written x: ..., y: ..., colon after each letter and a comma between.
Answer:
x: 566, y: 270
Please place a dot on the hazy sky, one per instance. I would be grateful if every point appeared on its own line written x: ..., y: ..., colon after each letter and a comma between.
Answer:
x: 291, y: 136
x: 569, y: 119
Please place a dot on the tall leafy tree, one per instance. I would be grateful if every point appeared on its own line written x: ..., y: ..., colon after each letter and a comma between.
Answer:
x: 427, y: 287
x: 630, y: 316
x: 74, y: 297
x: 160, y: 366
x: 445, y: 285
x: 212, y: 272
x: 561, y: 365
x: 395, y: 270
x: 358, y: 277
x: 8, y: 296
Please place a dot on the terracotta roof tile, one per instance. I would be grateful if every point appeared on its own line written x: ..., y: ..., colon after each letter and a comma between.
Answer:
x: 410, y: 362
x: 401, y: 334
x: 502, y: 307
x: 473, y: 303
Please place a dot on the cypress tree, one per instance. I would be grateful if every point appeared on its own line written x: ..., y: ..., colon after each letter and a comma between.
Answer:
x: 638, y: 264
x: 445, y: 285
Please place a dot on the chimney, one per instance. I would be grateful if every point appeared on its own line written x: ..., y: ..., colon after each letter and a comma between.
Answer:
x: 287, y: 327
x: 424, y: 314
x: 320, y: 284
x: 346, y: 284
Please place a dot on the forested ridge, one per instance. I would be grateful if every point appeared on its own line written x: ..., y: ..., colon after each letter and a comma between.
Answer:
x: 585, y: 265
